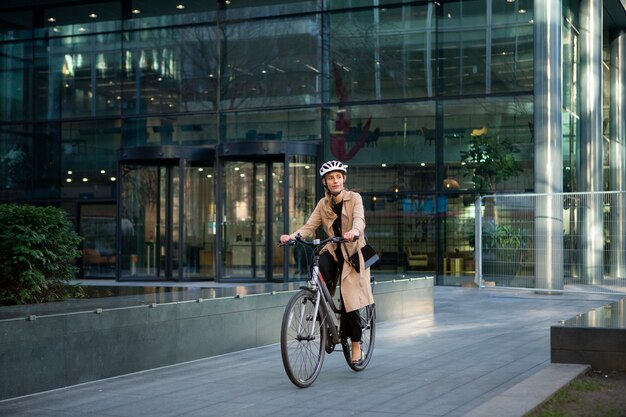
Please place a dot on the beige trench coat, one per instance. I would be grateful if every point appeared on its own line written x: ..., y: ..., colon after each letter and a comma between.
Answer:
x: 356, y: 289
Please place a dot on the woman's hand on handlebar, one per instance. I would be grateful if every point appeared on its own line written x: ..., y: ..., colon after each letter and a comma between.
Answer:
x: 350, y: 236
x: 284, y: 239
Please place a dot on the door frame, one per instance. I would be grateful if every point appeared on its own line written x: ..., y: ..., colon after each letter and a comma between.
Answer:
x: 169, y: 156
x: 266, y: 152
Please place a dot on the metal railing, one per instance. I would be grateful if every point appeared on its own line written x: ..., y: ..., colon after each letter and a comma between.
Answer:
x: 554, y: 242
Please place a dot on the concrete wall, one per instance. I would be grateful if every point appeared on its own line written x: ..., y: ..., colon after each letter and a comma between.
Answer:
x: 47, y: 352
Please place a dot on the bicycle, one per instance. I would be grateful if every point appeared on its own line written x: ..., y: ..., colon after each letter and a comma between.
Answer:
x: 311, y: 325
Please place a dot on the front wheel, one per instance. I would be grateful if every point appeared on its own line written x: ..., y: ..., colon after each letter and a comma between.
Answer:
x: 367, y: 316
x: 302, y: 339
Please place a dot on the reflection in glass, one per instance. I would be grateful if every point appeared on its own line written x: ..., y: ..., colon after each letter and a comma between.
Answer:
x: 97, y: 227
x: 277, y: 63
x: 199, y: 221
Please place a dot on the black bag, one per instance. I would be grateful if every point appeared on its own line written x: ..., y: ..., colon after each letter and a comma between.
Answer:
x: 370, y: 257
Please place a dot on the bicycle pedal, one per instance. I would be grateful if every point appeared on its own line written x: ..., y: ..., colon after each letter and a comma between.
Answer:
x: 330, y: 348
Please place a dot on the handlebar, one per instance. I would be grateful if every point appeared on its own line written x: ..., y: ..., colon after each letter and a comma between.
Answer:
x: 317, y: 242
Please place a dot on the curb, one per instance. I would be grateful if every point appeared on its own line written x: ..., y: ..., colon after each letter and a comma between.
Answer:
x: 530, y: 393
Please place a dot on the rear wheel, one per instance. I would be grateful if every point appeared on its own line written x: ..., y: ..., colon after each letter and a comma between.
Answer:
x: 302, y: 340
x: 367, y: 317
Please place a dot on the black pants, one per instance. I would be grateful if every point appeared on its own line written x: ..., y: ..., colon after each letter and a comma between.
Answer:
x: 331, y: 271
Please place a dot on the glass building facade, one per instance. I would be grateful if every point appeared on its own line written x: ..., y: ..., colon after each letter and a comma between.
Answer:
x: 183, y: 136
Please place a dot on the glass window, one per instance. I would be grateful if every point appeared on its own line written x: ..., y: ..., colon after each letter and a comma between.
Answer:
x: 80, y: 19
x: 14, y: 71
x: 457, y: 231
x: 464, y: 61
x: 78, y: 76
x: 97, y: 227
x: 381, y: 53
x: 303, y: 181
x: 271, y: 63
x: 199, y: 221
x: 158, y: 13
x: 512, y: 12
x: 383, y: 134
x: 291, y: 125
x: 88, y: 159
x: 170, y: 70
x: 512, y: 58
x: 16, y: 25
x: 494, y: 126
x: 16, y: 151
x: 200, y: 129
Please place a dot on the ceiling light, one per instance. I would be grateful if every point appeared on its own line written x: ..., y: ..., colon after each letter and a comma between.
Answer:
x: 51, y: 19
x: 136, y: 11
x: 180, y: 6
x: 93, y: 15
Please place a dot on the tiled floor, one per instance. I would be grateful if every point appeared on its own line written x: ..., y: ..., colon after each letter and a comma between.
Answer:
x: 477, y: 344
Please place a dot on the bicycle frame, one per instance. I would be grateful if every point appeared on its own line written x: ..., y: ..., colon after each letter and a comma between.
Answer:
x: 320, y: 290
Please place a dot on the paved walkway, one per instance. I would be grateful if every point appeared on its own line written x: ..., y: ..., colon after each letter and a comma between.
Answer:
x: 484, y: 353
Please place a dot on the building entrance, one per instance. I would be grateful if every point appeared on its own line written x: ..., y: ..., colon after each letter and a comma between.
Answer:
x: 252, y: 217
x: 167, y: 219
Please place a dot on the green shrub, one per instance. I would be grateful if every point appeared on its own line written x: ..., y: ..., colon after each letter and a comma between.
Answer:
x: 37, y: 252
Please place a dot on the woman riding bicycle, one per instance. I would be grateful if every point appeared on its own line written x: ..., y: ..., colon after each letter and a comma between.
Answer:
x: 341, y: 213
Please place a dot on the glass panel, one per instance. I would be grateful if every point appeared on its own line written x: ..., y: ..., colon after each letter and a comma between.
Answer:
x: 272, y: 63
x: 140, y: 221
x: 45, y: 165
x: 457, y: 214
x: 16, y: 25
x: 174, y: 198
x: 97, y: 227
x: 384, y: 134
x: 179, y: 130
x: 236, y: 218
x: 199, y: 221
x: 17, y: 157
x: 303, y: 182
x: 80, y: 19
x: 291, y: 125
x: 259, y: 219
x: 88, y: 158
x: 170, y: 70
x: 244, y: 226
x: 512, y: 12
x: 512, y: 58
x: 151, y: 13
x: 496, y: 127
x: 78, y: 76
x: 464, y: 55
x: 381, y: 53
x: 15, y: 61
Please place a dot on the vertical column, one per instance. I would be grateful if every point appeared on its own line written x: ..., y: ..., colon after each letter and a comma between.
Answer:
x: 548, y: 145
x: 590, y: 143
x: 617, y: 155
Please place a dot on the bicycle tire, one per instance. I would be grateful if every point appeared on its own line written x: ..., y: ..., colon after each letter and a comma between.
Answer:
x: 302, y: 351
x: 368, y: 339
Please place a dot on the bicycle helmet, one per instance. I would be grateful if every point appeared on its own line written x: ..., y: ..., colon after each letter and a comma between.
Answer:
x: 331, y: 166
